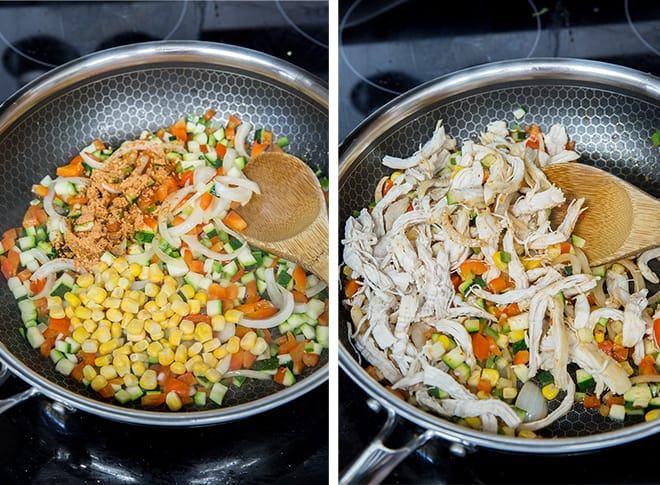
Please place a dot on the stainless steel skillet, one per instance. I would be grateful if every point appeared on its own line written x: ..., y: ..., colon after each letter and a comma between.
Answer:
x: 114, y: 95
x: 611, y: 112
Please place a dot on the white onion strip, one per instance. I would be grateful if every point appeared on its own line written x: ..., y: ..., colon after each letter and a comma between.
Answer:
x: 317, y: 288
x: 165, y: 258
x: 91, y: 160
x: 238, y: 194
x: 192, y: 221
x: 194, y: 244
x: 53, y: 266
x: 73, y: 180
x: 110, y: 189
x: 48, y: 286
x: 48, y: 204
x: 242, y: 133
x: 285, y: 312
x: 239, y: 181
x: 252, y: 374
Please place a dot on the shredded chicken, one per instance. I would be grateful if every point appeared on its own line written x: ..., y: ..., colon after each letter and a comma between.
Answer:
x: 458, y: 260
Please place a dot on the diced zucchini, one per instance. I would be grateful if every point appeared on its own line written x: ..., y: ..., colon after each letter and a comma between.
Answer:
x: 308, y: 331
x: 638, y: 396
x: 108, y: 258
x: 64, y: 366
x: 519, y: 322
x: 200, y: 398
x: 26, y: 242
x: 462, y: 370
x: 214, y: 307
x: 471, y: 325
x: 230, y: 269
x: 64, y: 284
x: 63, y: 187
x: 314, y: 308
x: 218, y: 392
x: 197, y: 281
x: 289, y: 378
x: 34, y: 337
x: 617, y: 412
x: 577, y: 241
x: 454, y: 357
x: 270, y: 364
x: 584, y: 380
x: 177, y: 268
x: 245, y: 257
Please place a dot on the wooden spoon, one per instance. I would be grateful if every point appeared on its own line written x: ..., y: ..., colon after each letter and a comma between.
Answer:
x: 620, y: 220
x: 289, y: 218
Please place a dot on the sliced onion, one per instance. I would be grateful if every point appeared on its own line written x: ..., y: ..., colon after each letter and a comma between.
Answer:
x: 216, y: 208
x: 73, y: 180
x: 38, y: 255
x: 110, y: 189
x: 134, y: 258
x: 273, y: 289
x: 229, y: 160
x: 48, y: 204
x: 194, y: 244
x: 242, y: 133
x: 53, y: 266
x: 175, y: 197
x: 202, y: 176
x: 252, y: 374
x: 317, y: 288
x: 164, y: 231
x: 192, y: 220
x: 90, y: 160
x: 227, y: 332
x: 239, y: 181
x: 139, y: 285
x: 286, y: 309
x: 300, y: 308
x: 239, y: 194
x: 222, y: 227
x: 531, y: 400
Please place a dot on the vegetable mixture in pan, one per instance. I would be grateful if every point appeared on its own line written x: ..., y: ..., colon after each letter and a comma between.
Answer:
x: 132, y: 277
x: 467, y: 302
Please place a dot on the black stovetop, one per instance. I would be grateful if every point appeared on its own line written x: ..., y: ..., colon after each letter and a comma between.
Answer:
x: 389, y: 46
x: 42, y: 443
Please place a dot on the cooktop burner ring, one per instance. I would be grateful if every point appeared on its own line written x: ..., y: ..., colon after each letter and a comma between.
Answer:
x: 11, y: 45
x: 297, y: 28
x: 344, y: 23
x: 631, y: 24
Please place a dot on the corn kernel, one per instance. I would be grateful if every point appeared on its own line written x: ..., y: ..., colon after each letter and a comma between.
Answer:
x: 209, y: 359
x: 233, y: 316
x: 130, y: 305
x: 76, y: 322
x: 139, y: 357
x: 111, y: 302
x: 137, y: 337
x: 180, y: 308
x: 140, y: 346
x: 70, y: 312
x: 218, y: 323
x: 151, y: 289
x: 113, y: 315
x: 526, y: 433
x: 194, y: 349
x: 151, y: 306
x: 187, y: 327
x: 155, y: 331
x: 491, y: 375
x: 260, y: 346
x: 199, y: 368
x: 159, y: 316
x: 71, y: 299
x: 550, y: 391
x: 98, y: 383
x: 195, y: 306
x: 135, y: 269
x: 473, y: 422
x: 509, y: 392
x: 97, y: 294
x: 85, y: 280
x: 130, y: 380
x: 652, y: 415
x: 516, y: 335
x: 149, y: 380
x: 154, y: 348
x: 190, y: 363
x: 135, y: 327
x: 248, y: 340
x: 80, y: 335
x: 83, y: 312
x: 170, y: 292
x: 174, y: 336
x: 233, y: 344
x: 54, y: 301
x: 187, y: 291
x: 117, y: 292
x: 122, y: 349
x: 57, y: 312
x: 170, y: 281
x: 102, y: 334
x: 155, y: 273
x: 181, y: 354
x: 120, y: 264
x: 161, y: 299
x: 166, y: 356
x: 138, y: 368
x: 220, y: 352
x: 90, y: 346
x: 483, y: 395
x: 108, y: 371
x: 177, y: 368
x: 90, y: 325
x: 211, y: 345
x: 108, y: 347
x: 89, y: 372
x: 97, y: 315
x: 103, y: 360
x: 173, y: 321
x: 204, y: 332
x: 201, y: 297
x: 213, y: 375
x: 173, y: 401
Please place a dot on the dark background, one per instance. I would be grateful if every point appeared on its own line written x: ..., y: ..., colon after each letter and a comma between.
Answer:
x: 386, y: 48
x: 43, y: 443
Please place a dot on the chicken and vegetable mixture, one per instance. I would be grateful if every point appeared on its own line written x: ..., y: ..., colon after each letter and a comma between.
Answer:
x: 467, y: 302
x: 131, y: 274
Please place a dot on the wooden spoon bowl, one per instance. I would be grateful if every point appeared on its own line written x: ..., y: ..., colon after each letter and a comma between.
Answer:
x: 620, y: 221
x: 289, y: 218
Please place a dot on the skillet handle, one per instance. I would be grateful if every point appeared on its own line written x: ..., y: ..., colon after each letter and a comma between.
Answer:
x: 377, y: 461
x: 12, y: 401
